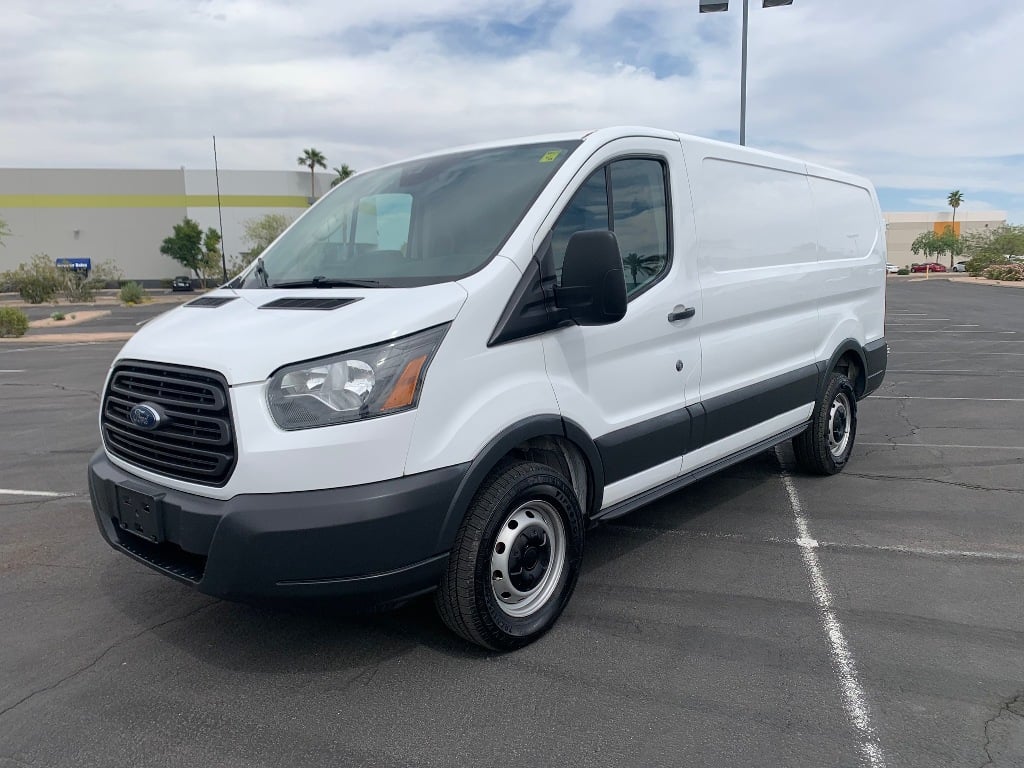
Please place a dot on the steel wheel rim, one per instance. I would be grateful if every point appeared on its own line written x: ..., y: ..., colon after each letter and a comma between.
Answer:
x: 839, y: 425
x: 527, y: 558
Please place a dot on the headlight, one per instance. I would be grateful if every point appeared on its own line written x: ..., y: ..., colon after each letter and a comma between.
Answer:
x: 368, y: 382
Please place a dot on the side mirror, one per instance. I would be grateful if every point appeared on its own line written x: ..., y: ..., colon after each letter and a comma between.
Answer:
x: 593, y: 288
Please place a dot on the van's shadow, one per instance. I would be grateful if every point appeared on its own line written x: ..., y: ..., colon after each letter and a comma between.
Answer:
x: 320, y: 637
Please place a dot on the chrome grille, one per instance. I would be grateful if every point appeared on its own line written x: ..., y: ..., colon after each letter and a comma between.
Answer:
x: 197, y: 442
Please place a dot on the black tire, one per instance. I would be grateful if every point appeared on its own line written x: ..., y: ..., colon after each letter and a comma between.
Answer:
x: 826, y: 445
x: 526, y: 516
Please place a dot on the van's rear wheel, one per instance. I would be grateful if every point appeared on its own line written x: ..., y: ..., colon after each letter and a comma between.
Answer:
x: 826, y: 445
x: 516, y: 558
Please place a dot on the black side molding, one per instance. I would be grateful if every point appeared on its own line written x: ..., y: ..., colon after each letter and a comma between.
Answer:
x: 628, y: 505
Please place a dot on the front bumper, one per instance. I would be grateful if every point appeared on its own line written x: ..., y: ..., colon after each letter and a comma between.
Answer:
x: 373, y: 544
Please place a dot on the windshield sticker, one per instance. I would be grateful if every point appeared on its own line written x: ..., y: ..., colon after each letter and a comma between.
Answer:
x: 550, y: 157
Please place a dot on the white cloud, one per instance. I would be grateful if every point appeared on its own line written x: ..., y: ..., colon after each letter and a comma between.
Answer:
x: 910, y: 96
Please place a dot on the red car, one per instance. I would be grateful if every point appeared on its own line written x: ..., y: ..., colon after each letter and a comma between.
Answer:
x: 930, y: 266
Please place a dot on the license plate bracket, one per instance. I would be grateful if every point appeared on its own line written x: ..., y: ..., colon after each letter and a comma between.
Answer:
x: 140, y: 514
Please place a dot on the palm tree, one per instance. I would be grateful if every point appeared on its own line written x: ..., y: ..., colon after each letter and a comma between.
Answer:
x: 954, y: 200
x: 641, y: 265
x: 342, y: 173
x: 311, y: 158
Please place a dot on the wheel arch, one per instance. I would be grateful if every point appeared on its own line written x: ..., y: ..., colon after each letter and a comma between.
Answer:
x: 848, y: 358
x: 548, y: 439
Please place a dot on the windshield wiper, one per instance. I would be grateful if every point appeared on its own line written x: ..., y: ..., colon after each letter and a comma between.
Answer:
x: 329, y: 282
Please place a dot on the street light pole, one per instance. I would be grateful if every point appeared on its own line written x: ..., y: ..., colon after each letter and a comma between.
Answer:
x: 743, y: 78
x: 719, y: 6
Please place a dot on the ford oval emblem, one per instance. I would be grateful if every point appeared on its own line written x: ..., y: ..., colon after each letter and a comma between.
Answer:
x: 145, y: 416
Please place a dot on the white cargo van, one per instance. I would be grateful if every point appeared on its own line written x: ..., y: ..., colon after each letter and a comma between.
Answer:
x: 448, y: 368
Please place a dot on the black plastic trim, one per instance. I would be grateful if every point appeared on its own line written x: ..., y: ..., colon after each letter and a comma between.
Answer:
x: 322, y: 303
x: 876, y: 359
x: 550, y: 425
x: 746, y: 407
x: 210, y: 301
x: 374, y: 543
x: 644, y: 445
x: 531, y: 309
x: 631, y: 504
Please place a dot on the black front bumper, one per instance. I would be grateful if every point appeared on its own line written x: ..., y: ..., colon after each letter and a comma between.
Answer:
x: 373, y: 544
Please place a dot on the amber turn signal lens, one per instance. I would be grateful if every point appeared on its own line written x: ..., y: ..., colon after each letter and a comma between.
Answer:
x: 405, y: 388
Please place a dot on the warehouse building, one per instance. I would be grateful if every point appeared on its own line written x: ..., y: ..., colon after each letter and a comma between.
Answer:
x: 123, y: 215
x: 901, y: 229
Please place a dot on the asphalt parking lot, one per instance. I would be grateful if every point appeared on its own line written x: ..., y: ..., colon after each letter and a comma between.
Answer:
x: 758, y: 618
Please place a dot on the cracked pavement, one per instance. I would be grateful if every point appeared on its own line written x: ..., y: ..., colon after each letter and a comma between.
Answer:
x: 692, y: 639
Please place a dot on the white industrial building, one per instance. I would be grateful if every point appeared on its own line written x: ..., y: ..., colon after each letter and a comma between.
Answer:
x: 124, y: 215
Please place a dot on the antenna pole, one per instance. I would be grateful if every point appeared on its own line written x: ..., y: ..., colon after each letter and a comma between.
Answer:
x: 220, y: 215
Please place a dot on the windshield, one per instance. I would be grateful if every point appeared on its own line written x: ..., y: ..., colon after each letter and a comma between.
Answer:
x: 416, y: 223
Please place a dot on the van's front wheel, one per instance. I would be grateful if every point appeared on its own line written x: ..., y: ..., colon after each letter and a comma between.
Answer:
x: 516, y: 558
x: 827, y: 444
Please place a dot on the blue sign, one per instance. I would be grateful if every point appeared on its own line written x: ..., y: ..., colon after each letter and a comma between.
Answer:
x: 77, y: 265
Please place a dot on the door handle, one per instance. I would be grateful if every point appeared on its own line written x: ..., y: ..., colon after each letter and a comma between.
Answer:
x: 681, y: 313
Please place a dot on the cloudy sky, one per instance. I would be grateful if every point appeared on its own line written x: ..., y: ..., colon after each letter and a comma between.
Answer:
x: 922, y: 96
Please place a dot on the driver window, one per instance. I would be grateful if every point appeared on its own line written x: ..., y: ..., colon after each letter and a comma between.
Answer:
x: 639, y: 218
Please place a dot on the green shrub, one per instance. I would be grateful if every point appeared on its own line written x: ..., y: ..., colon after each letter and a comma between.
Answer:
x: 57, y: 316
x: 77, y: 288
x: 132, y: 293
x: 902, y: 271
x: 1009, y: 272
x: 37, y: 281
x: 13, y: 322
x: 978, y: 264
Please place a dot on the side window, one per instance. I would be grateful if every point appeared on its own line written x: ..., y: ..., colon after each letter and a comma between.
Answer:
x: 588, y: 209
x: 639, y: 218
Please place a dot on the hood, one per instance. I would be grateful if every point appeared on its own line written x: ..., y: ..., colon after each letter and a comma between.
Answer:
x: 246, y: 342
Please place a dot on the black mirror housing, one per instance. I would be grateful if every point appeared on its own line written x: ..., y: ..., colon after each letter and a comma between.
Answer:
x: 593, y: 290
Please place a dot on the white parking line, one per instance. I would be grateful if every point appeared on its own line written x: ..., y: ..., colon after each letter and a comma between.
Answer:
x: 12, y: 370
x: 959, y: 356
x: 976, y: 554
x: 969, y: 399
x: 51, y: 494
x: 924, y: 320
x: 39, y: 347
x: 1000, y: 332
x: 935, y: 370
x: 947, y: 445
x: 843, y: 662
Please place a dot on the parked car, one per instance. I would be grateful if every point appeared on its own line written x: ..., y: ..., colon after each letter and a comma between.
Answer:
x: 960, y: 266
x: 930, y: 266
x: 891, y: 268
x: 452, y: 393
x: 181, y: 283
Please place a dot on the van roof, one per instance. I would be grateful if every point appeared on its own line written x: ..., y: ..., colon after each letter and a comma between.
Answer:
x: 603, y: 135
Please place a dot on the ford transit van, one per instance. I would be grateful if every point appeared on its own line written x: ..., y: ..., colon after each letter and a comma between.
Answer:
x: 448, y: 369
